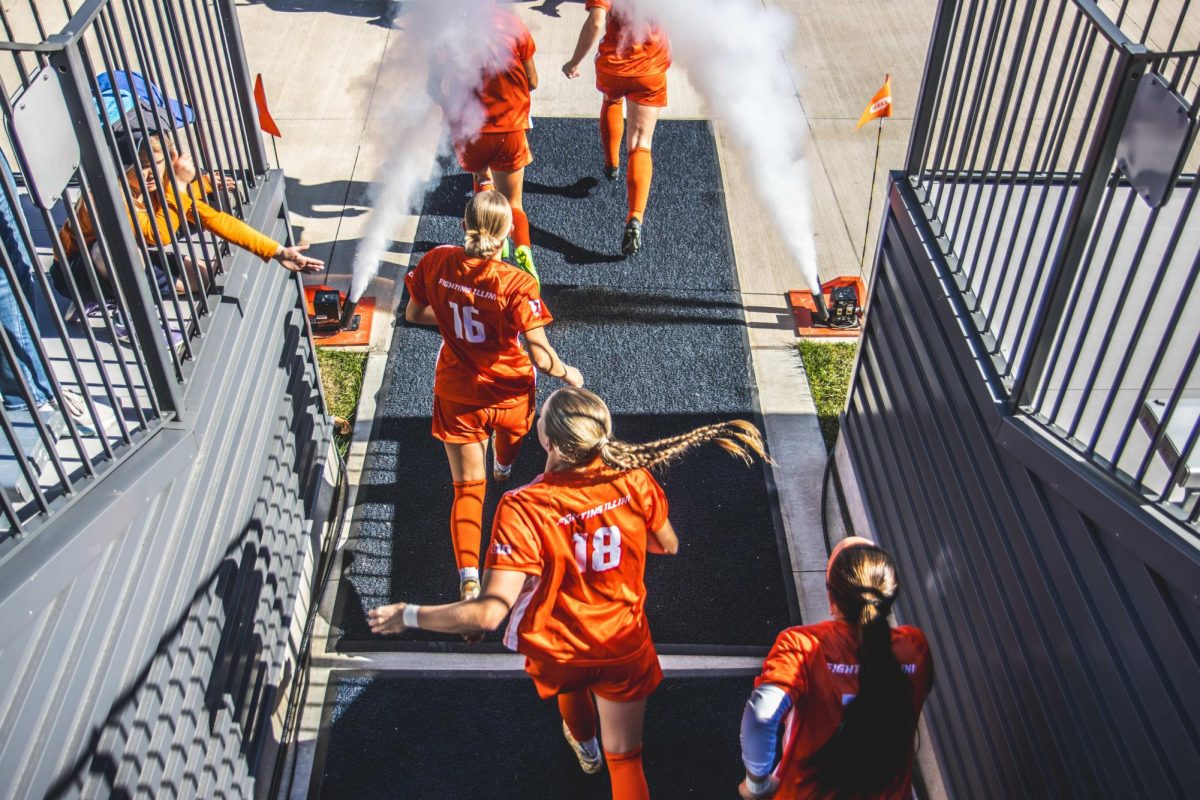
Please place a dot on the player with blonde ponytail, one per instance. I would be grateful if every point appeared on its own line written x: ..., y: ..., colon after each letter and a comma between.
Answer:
x: 485, y: 382
x: 567, y: 557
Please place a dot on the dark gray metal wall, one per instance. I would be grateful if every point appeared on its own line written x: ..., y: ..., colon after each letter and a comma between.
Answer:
x: 144, y: 637
x: 1064, y: 615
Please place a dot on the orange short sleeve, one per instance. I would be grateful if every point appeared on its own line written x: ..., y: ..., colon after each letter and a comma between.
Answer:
x: 654, y: 502
x: 526, y: 306
x: 525, y: 45
x: 515, y: 544
x: 788, y: 664
x: 415, y: 281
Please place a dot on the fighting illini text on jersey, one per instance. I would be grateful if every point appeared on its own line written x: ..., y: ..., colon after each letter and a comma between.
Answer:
x: 481, y: 307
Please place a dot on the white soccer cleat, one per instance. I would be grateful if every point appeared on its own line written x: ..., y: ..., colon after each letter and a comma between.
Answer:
x: 586, y: 763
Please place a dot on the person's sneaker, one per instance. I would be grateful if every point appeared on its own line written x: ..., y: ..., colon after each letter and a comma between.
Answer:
x: 631, y: 242
x: 54, y: 418
x: 505, y: 249
x: 587, y: 762
x: 468, y: 589
x: 611, y: 172
x: 524, y: 259
x: 500, y: 473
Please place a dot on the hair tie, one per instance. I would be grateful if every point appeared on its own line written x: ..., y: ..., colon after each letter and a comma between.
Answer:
x: 603, y: 440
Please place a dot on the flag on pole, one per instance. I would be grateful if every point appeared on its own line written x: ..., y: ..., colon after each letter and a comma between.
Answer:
x: 880, y: 105
x: 265, y: 120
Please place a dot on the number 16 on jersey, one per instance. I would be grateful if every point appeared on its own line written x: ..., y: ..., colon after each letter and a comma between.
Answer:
x: 606, y: 549
x: 466, y: 326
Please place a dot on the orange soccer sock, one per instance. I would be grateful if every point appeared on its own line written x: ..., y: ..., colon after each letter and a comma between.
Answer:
x: 507, y: 447
x: 628, y: 779
x: 520, y: 232
x: 466, y: 522
x: 485, y: 186
x: 637, y: 181
x: 579, y: 713
x: 612, y: 128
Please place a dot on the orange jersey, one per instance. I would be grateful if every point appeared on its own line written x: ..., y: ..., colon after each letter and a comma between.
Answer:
x: 482, y: 307
x: 581, y: 537
x: 630, y: 47
x: 817, y: 665
x: 504, y: 91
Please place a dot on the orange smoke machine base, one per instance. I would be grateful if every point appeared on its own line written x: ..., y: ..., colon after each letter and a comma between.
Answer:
x: 804, y: 310
x: 325, y: 317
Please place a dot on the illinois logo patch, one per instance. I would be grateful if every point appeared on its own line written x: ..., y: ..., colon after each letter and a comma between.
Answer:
x: 535, y: 307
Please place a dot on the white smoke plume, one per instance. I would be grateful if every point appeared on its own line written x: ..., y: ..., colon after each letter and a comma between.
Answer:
x: 732, y: 51
x: 435, y: 33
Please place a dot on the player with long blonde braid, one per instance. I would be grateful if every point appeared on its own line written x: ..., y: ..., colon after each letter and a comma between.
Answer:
x: 567, y: 558
x: 485, y: 383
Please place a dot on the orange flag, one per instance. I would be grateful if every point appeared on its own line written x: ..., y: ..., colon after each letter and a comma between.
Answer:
x: 880, y: 105
x: 265, y: 120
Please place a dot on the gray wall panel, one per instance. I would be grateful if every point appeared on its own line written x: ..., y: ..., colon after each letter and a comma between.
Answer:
x: 1066, y: 666
x: 155, y: 671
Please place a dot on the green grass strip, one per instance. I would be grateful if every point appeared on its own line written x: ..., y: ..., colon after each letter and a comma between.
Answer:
x: 341, y: 378
x: 829, y: 366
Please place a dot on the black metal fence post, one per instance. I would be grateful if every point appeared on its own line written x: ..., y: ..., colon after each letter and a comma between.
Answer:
x: 1069, y: 258
x: 240, y: 70
x: 127, y: 265
x: 931, y: 82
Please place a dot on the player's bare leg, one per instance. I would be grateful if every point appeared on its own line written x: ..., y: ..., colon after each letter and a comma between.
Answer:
x: 468, y: 470
x: 511, y: 184
x: 621, y: 724
x: 639, y: 133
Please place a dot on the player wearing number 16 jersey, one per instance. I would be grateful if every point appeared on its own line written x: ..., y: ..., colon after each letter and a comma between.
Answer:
x: 567, y: 557
x: 484, y: 384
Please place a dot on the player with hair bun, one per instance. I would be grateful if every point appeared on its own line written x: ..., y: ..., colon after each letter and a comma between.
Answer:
x: 567, y: 558
x: 848, y: 691
x: 631, y: 65
x: 485, y: 381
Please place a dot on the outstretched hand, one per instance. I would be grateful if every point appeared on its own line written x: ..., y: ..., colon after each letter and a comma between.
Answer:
x: 293, y: 258
x: 387, y: 619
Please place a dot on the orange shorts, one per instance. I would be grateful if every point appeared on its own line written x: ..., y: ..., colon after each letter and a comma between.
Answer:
x: 622, y: 683
x: 507, y: 152
x: 645, y: 90
x: 459, y: 423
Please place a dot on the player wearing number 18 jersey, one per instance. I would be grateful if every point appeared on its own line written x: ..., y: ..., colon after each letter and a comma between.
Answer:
x: 484, y: 384
x: 567, y: 558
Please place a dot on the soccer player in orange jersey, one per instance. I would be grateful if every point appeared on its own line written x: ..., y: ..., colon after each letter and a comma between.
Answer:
x: 497, y: 154
x: 485, y: 381
x: 631, y: 64
x: 567, y: 557
x: 848, y: 691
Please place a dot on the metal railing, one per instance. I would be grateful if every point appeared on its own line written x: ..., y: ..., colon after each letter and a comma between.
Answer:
x: 110, y: 268
x: 1076, y: 268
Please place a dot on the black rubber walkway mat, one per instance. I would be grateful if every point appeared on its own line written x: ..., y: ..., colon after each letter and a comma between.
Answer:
x: 385, y: 736
x: 660, y: 336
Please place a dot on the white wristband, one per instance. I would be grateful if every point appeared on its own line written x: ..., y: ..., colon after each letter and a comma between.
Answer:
x: 758, y: 786
x: 409, y: 615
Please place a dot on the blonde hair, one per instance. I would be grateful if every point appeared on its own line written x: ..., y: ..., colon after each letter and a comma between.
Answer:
x: 487, y: 221
x: 579, y: 424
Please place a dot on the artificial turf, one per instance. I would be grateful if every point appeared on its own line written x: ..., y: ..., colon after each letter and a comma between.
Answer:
x: 660, y: 336
x: 487, y: 735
